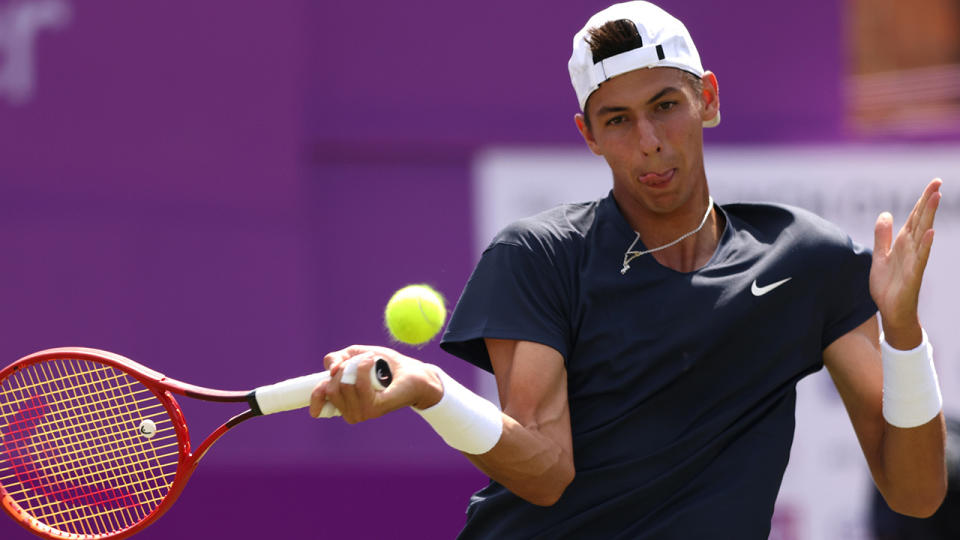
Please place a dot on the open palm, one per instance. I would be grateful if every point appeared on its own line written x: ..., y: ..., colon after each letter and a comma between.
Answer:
x: 898, y: 265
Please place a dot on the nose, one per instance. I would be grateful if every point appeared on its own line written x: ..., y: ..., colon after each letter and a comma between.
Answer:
x: 648, y: 137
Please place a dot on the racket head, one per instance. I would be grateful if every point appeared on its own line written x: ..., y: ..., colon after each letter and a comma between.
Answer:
x: 74, y: 463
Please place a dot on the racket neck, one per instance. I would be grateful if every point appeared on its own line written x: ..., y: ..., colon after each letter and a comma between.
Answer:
x: 213, y: 437
x: 206, y: 394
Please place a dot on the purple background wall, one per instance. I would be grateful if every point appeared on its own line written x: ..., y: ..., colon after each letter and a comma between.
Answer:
x: 226, y: 191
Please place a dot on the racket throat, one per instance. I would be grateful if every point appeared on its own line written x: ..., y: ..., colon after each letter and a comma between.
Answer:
x: 215, y: 436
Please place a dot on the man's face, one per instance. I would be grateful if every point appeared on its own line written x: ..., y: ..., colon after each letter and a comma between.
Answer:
x: 647, y: 125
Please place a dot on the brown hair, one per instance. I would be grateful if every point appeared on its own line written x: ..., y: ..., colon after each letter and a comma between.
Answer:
x: 616, y: 37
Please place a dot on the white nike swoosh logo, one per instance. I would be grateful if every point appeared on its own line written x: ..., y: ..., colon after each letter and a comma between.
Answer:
x: 760, y: 291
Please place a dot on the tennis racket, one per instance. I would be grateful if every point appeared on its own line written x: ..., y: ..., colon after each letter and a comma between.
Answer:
x: 94, y: 445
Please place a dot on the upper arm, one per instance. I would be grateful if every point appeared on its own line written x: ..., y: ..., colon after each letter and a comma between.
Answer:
x: 532, y: 386
x: 853, y: 361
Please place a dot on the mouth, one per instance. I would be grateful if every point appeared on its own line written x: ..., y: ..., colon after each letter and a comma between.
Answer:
x: 657, y: 179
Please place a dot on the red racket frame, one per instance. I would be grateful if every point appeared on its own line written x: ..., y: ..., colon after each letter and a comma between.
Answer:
x: 163, y: 388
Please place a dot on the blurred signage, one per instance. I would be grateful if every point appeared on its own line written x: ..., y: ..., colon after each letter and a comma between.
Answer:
x: 826, y: 490
x: 21, y: 24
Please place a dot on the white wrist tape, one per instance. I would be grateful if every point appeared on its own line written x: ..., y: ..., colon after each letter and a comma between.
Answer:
x: 911, y: 391
x: 463, y: 419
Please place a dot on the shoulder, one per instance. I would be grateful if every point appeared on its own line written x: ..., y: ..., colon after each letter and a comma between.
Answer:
x: 775, y: 223
x: 551, y: 231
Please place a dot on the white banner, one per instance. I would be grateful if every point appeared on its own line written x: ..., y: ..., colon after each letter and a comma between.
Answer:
x: 827, y: 487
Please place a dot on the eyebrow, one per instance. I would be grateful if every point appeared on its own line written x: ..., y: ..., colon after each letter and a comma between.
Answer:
x: 615, y: 109
x: 662, y: 93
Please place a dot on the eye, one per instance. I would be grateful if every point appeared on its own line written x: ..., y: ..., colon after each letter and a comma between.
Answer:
x: 666, y: 105
x: 616, y: 120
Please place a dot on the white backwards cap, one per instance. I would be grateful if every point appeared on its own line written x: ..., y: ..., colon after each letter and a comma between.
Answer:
x: 665, y: 43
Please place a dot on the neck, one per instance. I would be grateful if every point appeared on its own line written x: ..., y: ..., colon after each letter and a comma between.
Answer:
x: 693, y: 252
x: 677, y: 240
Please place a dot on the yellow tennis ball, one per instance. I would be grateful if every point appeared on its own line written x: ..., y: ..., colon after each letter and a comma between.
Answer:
x: 415, y: 314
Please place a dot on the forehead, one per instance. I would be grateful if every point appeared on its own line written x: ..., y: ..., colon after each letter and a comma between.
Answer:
x: 635, y: 87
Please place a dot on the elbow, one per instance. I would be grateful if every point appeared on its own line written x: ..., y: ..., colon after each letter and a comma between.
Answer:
x: 916, y: 510
x: 548, y: 490
x: 919, y: 506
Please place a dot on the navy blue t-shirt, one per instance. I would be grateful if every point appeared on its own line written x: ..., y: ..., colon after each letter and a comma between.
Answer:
x: 681, y: 386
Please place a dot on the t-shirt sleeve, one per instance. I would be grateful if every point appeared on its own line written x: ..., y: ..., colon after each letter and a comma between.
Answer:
x: 847, y: 291
x: 513, y: 293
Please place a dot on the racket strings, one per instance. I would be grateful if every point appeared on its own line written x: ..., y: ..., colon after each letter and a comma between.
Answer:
x: 130, y: 483
x: 116, y: 494
x: 91, y: 494
x: 71, y: 441
x: 26, y: 472
x: 65, y: 391
x: 103, y: 447
x: 150, y: 492
x: 79, y: 460
x: 52, y: 484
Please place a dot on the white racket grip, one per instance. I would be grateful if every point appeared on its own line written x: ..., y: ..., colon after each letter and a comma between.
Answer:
x: 289, y: 394
x: 295, y: 393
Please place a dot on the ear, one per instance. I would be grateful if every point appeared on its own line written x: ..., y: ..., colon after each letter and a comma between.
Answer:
x: 711, y: 97
x: 587, y: 134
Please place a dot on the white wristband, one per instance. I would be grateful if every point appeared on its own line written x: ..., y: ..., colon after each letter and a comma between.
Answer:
x: 911, y: 391
x: 463, y: 419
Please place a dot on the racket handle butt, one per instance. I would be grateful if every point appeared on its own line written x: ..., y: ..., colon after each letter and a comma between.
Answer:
x: 380, y: 375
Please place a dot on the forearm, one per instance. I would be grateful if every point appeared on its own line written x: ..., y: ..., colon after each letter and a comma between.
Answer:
x: 913, y: 480
x: 533, y: 459
x: 529, y: 462
x: 893, y: 402
x: 913, y: 477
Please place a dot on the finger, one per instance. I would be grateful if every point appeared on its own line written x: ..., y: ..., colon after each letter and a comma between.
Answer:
x: 908, y: 224
x: 349, y: 368
x: 333, y: 395
x: 336, y: 357
x: 351, y: 365
x: 333, y: 359
x: 365, y: 392
x: 318, y: 399
x: 882, y: 235
x: 926, y: 212
x: 350, y: 404
x: 925, y: 223
x: 920, y: 209
x: 923, y: 254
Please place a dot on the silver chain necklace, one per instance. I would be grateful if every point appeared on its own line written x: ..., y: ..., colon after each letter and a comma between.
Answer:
x: 631, y: 255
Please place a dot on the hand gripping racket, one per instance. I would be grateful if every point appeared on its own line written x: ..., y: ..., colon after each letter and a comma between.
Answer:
x: 94, y: 445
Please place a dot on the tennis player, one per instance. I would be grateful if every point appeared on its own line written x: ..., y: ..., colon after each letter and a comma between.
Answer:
x: 647, y: 345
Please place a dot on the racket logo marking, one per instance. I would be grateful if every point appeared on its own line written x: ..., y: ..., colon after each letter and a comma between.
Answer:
x: 148, y: 428
x: 17, y: 442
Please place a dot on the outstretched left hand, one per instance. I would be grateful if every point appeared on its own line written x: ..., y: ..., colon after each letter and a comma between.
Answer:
x: 898, y: 265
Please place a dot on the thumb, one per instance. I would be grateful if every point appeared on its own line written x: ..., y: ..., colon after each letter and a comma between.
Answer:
x: 882, y: 235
